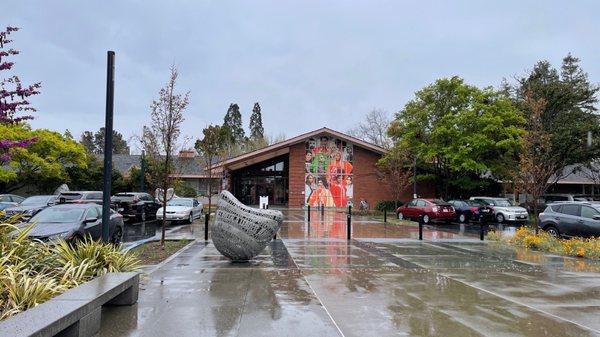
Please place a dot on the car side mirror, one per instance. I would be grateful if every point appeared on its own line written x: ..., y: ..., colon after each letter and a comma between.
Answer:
x: 90, y: 220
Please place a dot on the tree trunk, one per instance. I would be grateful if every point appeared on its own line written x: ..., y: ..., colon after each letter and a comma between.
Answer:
x: 165, y: 187
x: 535, y: 216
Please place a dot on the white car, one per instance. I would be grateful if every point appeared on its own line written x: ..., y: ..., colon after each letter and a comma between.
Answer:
x: 181, y: 209
x: 503, y: 210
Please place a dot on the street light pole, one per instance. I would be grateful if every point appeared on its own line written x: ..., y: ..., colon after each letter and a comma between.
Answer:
x: 108, y: 144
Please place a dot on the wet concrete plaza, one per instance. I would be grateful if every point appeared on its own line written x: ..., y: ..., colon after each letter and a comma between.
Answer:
x: 311, y: 281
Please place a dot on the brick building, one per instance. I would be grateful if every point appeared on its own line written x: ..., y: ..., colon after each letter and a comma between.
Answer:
x: 321, y: 167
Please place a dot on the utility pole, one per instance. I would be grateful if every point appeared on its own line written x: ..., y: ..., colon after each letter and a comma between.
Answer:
x: 108, y: 144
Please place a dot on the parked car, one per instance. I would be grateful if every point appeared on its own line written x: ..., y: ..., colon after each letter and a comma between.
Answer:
x: 80, y: 197
x: 9, y: 200
x: 135, y: 205
x: 31, y: 206
x: 571, y: 219
x: 428, y: 209
x: 73, y: 222
x: 504, y: 210
x: 546, y: 199
x: 471, y: 210
x: 181, y: 209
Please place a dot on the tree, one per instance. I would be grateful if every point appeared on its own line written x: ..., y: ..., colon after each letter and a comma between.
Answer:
x: 42, y: 164
x: 89, y: 176
x: 210, y: 148
x: 233, y: 130
x: 396, y: 166
x: 569, y: 112
x: 159, y: 139
x: 374, y: 129
x: 13, y: 100
x: 461, y: 131
x: 94, y: 142
x: 537, y: 164
x: 257, y: 132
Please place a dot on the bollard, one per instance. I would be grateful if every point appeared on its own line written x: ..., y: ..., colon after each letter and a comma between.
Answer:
x: 481, y: 230
x: 349, y: 226
x: 385, y: 215
x: 350, y: 209
x: 308, y: 213
x: 206, y: 218
x: 322, y: 210
x: 421, y: 228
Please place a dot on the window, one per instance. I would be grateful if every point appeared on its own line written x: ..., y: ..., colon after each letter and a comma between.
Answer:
x: 4, y: 198
x: 557, y: 208
x: 421, y: 203
x: 412, y: 203
x: 92, y: 214
x: 570, y: 209
x: 94, y: 196
x: 588, y: 212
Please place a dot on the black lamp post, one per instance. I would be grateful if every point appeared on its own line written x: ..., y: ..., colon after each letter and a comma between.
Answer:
x: 108, y: 145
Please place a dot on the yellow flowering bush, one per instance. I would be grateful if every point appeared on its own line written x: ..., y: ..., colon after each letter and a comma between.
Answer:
x: 526, y: 237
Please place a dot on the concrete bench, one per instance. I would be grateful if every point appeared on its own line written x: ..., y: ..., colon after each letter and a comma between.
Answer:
x: 77, y: 311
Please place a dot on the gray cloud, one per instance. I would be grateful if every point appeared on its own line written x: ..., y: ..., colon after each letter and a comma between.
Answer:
x: 309, y: 63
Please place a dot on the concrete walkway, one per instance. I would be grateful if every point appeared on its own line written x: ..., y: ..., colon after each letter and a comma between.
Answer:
x: 316, y: 284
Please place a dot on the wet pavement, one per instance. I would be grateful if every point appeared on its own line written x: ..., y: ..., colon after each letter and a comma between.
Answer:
x: 313, y: 282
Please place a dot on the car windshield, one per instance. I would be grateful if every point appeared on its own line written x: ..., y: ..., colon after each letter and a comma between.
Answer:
x: 180, y: 202
x: 59, y: 214
x: 439, y: 202
x: 474, y: 203
x: 37, y: 200
x: 502, y: 202
x: 71, y: 196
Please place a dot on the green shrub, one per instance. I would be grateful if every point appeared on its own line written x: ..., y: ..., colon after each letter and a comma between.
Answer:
x: 32, y: 272
x: 388, y: 205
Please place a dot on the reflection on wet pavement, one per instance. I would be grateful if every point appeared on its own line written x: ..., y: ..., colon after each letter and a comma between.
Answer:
x: 313, y: 282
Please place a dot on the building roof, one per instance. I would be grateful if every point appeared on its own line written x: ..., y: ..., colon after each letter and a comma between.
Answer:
x: 282, y: 147
x: 579, y: 174
x: 185, y: 167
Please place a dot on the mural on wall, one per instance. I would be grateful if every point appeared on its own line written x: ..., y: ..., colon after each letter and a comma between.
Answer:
x: 328, y: 173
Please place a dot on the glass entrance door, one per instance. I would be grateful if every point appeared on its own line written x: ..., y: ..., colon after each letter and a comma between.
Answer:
x: 269, y: 178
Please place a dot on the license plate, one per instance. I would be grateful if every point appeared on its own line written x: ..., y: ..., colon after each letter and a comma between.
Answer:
x: 444, y: 210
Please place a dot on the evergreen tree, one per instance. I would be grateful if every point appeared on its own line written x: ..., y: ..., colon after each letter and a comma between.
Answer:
x: 569, y: 112
x: 257, y: 132
x: 233, y: 124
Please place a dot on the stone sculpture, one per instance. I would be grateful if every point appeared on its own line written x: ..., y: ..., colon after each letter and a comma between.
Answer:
x: 241, y: 232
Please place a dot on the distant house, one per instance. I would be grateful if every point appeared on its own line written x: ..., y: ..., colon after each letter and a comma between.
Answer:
x: 189, y: 168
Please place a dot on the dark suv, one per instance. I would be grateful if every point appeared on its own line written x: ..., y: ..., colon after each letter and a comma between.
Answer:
x: 571, y: 219
x: 135, y: 205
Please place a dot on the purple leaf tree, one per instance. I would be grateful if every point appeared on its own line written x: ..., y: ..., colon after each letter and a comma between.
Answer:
x: 14, y: 106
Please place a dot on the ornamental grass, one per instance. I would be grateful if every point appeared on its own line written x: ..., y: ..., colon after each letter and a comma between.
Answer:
x: 32, y: 272
x: 576, y: 247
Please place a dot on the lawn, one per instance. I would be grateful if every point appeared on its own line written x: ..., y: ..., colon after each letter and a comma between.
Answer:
x: 151, y: 252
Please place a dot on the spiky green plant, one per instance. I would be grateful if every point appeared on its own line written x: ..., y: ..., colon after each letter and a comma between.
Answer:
x: 32, y: 272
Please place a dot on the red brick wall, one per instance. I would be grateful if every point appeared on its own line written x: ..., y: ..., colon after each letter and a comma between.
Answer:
x: 296, y: 176
x: 368, y: 183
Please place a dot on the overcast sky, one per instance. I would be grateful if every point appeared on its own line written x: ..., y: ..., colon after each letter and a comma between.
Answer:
x: 309, y: 63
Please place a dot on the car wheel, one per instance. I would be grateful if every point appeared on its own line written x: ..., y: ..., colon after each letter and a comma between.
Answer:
x: 400, y: 216
x: 117, y: 236
x: 462, y: 218
x: 425, y: 218
x: 500, y: 218
x: 191, y: 219
x: 552, y: 231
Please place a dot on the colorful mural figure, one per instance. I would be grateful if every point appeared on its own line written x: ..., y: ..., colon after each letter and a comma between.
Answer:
x: 328, y: 176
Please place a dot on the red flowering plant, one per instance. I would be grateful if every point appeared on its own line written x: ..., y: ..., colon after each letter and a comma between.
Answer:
x: 14, y: 106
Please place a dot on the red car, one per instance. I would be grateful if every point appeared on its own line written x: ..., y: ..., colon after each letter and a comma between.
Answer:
x: 429, y: 209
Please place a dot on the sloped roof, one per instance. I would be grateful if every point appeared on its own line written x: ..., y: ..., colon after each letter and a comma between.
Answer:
x: 185, y: 167
x: 280, y: 147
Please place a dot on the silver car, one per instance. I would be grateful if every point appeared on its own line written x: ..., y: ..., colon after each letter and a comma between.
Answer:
x: 571, y: 219
x: 181, y: 209
x: 504, y: 211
